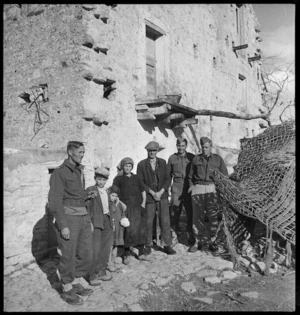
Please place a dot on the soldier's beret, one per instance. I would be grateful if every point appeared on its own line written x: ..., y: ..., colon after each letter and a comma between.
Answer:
x: 180, y: 139
x: 204, y: 140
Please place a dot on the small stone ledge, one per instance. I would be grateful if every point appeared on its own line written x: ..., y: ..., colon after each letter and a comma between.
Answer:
x: 88, y: 41
x: 31, y: 156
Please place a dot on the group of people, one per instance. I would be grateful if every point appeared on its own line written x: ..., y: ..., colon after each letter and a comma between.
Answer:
x: 92, y: 224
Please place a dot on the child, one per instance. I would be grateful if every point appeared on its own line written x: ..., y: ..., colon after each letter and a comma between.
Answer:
x: 117, y: 210
x: 101, y: 218
x: 133, y: 194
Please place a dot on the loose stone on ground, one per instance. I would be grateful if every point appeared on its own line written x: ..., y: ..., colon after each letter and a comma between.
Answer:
x: 130, y: 282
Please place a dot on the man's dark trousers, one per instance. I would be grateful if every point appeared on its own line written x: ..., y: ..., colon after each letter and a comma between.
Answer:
x: 102, y: 243
x: 164, y: 219
x: 180, y: 198
x: 76, y: 252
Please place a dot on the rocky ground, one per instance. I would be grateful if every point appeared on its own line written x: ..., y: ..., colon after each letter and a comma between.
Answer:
x: 182, y: 282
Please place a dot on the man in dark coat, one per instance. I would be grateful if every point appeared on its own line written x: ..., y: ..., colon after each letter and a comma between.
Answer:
x: 67, y: 203
x: 154, y: 174
x: 179, y: 167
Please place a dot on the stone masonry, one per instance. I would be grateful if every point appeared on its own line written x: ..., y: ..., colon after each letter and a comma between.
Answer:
x: 92, y: 58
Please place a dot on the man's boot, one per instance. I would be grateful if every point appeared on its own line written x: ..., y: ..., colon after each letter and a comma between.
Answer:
x: 71, y: 297
x: 195, y: 247
x: 147, y: 250
x: 169, y: 250
x: 80, y: 290
x: 104, y: 276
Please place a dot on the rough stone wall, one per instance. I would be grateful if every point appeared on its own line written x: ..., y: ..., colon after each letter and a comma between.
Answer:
x: 82, y: 50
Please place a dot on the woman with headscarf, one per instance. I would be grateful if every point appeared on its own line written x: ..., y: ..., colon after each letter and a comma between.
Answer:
x: 133, y: 194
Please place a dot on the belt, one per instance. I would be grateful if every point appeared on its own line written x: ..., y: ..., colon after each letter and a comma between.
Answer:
x: 74, y: 203
x: 202, y: 182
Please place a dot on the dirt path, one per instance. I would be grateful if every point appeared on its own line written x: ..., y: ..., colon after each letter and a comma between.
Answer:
x: 182, y: 282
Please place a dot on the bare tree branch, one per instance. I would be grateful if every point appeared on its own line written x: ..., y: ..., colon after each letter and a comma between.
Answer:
x: 289, y: 105
x: 218, y: 113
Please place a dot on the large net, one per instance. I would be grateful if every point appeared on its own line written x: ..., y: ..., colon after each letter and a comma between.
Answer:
x: 263, y: 183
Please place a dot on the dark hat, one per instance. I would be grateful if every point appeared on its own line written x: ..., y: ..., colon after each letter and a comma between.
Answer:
x: 114, y: 189
x: 152, y: 145
x: 103, y: 171
x: 204, y: 140
x: 126, y: 160
x: 180, y: 139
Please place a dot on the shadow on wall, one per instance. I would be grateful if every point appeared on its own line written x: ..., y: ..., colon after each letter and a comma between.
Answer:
x: 149, y: 126
x: 44, y: 248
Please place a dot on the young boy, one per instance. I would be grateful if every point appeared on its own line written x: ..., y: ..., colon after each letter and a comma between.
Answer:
x: 103, y: 227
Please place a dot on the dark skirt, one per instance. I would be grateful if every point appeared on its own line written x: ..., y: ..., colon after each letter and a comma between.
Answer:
x: 136, y: 233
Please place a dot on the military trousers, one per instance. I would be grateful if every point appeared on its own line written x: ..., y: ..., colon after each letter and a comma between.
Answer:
x: 180, y: 199
x: 76, y: 252
x: 206, y: 217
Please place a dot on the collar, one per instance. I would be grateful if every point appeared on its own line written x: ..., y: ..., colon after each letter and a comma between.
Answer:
x: 152, y: 161
x: 73, y: 167
x: 206, y: 157
x: 181, y: 156
x: 101, y: 190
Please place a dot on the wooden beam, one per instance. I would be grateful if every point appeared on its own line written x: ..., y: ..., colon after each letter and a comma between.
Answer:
x: 145, y: 116
x: 141, y: 107
x: 250, y: 59
x: 150, y: 101
x: 175, y: 116
x: 160, y: 110
x: 234, y: 48
x: 188, y: 121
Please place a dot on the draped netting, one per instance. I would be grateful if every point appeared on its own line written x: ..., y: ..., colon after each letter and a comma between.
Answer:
x: 262, y: 185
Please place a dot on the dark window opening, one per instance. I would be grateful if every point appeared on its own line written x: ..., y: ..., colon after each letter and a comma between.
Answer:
x: 152, y: 34
x: 51, y: 170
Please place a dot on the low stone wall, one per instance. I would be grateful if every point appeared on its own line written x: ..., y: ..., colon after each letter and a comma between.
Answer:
x: 27, y: 224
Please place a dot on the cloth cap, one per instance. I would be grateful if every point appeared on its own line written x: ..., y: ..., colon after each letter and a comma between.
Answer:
x: 204, y: 140
x: 103, y: 171
x: 126, y: 160
x: 114, y: 189
x: 152, y: 145
x: 180, y: 139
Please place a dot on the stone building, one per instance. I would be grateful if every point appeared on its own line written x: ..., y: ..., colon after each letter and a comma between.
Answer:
x: 100, y: 74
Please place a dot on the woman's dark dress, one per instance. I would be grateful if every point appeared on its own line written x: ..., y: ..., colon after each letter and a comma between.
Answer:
x: 131, y: 189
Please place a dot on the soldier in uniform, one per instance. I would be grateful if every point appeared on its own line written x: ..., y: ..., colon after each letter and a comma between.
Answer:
x: 67, y: 203
x: 179, y: 165
x: 206, y: 214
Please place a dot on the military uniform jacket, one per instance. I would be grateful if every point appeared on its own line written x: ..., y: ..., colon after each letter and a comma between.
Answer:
x: 66, y: 189
x: 179, y: 167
